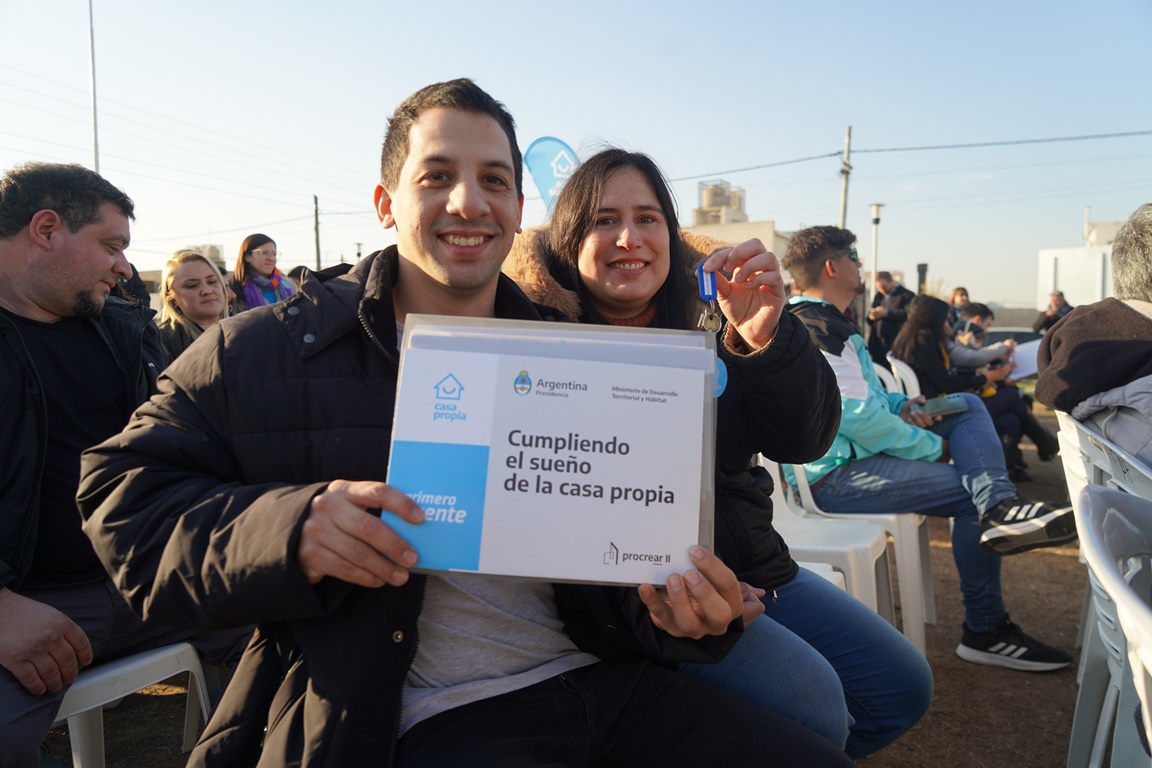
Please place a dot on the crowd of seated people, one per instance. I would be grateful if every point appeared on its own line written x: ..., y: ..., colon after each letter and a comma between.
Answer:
x: 949, y: 359
x: 172, y: 494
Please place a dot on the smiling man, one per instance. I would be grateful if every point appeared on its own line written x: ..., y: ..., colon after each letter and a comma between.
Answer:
x: 74, y: 363
x: 250, y: 490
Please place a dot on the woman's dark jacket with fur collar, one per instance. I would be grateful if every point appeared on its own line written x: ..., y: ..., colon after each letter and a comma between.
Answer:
x: 781, y: 401
x: 934, y: 376
x: 196, y: 509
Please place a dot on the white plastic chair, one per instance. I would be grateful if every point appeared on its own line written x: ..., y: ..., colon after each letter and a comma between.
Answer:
x: 826, y: 572
x: 1098, y: 461
x: 1091, y: 459
x: 903, y: 372
x: 1116, y: 539
x: 1084, y: 464
x: 96, y: 686
x: 857, y: 549
x: 890, y: 382
x: 913, y: 551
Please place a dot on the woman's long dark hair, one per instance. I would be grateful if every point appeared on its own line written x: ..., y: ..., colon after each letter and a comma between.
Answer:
x: 243, y: 269
x: 925, y: 314
x: 574, y: 217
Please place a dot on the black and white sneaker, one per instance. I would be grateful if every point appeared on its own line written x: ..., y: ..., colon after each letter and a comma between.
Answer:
x: 1008, y: 646
x: 1019, y: 524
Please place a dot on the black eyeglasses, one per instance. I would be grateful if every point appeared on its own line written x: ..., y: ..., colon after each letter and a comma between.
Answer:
x: 850, y: 253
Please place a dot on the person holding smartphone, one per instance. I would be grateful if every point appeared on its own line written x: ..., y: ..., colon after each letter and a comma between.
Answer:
x: 887, y: 457
x: 922, y: 344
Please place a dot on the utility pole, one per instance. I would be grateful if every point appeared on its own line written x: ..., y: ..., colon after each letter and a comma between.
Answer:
x: 358, y: 251
x: 316, y: 227
x: 845, y: 169
x: 92, y: 77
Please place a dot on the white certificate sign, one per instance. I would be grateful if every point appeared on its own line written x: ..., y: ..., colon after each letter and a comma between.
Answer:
x: 555, y: 468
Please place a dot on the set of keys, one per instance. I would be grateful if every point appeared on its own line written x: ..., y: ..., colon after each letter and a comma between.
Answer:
x: 710, y: 318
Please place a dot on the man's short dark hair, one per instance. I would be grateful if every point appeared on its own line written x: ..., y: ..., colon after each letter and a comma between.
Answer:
x: 72, y: 191
x: 1132, y: 257
x: 461, y: 94
x: 809, y: 248
x: 884, y: 276
x: 973, y: 309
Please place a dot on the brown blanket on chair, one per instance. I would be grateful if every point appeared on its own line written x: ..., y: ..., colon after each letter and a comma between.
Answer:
x: 1094, y: 348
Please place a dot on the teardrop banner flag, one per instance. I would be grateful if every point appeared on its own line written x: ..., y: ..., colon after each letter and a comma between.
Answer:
x: 551, y: 162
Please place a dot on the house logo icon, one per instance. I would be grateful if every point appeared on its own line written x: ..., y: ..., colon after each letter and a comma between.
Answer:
x: 449, y: 388
x: 523, y: 383
x: 563, y: 164
x: 612, y: 556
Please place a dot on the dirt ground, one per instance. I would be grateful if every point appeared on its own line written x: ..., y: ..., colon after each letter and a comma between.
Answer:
x: 981, y: 717
x: 987, y: 717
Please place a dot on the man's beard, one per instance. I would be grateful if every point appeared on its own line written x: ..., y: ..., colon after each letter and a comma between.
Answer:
x: 85, y: 307
x: 860, y: 289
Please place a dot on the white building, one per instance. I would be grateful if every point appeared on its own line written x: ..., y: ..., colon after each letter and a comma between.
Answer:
x: 1084, y: 274
x: 721, y: 216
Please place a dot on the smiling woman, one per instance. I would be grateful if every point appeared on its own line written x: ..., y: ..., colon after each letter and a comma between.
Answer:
x: 255, y: 279
x: 193, y: 297
x: 614, y: 255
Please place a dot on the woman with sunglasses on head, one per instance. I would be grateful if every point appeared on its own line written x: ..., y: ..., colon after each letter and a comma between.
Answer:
x: 613, y: 254
x: 255, y: 279
x: 193, y: 297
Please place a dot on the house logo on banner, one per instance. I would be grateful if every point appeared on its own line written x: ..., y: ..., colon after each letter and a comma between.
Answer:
x: 550, y: 162
x: 523, y: 383
x: 449, y: 391
x: 449, y: 388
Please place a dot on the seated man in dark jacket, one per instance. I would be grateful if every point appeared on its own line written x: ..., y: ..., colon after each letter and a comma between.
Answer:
x: 74, y: 363
x: 241, y: 494
x: 1057, y: 308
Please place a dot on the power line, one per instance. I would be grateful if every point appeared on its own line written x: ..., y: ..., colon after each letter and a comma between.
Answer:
x: 180, y: 180
x: 974, y: 145
x: 230, y: 162
x: 247, y: 228
x: 326, y: 166
x: 714, y: 174
x: 1008, y: 143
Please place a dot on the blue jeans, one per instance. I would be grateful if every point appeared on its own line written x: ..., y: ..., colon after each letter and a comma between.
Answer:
x: 974, y: 482
x: 825, y: 660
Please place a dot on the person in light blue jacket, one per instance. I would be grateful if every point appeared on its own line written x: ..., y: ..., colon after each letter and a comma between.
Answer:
x: 890, y: 457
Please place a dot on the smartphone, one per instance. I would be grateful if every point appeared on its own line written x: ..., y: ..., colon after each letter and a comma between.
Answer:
x: 942, y: 406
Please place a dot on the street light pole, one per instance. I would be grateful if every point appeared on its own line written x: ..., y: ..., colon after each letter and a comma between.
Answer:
x: 875, y: 240
x: 92, y: 74
x: 845, y: 169
x: 316, y: 226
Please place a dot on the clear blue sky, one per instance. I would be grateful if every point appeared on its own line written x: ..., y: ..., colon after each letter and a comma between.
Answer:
x: 224, y: 118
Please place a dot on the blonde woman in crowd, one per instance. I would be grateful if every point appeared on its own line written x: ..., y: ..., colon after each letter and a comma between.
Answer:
x: 193, y: 297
